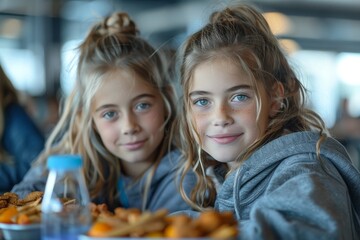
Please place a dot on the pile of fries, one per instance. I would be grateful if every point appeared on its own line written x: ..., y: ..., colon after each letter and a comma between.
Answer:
x: 20, y: 211
x: 133, y: 223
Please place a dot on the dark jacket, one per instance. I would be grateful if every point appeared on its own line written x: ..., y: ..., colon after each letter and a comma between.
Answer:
x: 23, y: 141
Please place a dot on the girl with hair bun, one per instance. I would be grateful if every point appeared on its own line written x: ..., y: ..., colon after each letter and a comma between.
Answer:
x: 245, y: 121
x: 119, y: 117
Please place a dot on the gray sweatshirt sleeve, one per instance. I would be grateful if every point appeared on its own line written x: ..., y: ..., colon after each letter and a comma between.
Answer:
x: 34, y: 180
x: 164, y: 192
x: 312, y: 204
x: 167, y: 194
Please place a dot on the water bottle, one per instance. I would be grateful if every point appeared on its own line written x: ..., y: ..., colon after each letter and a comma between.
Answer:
x: 66, y: 204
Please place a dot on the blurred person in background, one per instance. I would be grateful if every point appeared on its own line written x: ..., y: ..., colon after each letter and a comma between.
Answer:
x: 44, y: 110
x: 20, y: 139
x: 347, y: 131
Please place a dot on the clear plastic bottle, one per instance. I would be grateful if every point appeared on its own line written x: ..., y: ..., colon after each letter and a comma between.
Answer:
x: 66, y: 203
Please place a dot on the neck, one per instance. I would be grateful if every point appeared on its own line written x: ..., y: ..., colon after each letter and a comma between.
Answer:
x: 135, y: 170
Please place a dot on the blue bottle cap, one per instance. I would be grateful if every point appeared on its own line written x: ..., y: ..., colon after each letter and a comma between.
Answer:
x: 64, y: 162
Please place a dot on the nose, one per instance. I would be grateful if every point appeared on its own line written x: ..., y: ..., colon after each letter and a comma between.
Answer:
x: 222, y: 116
x: 129, y: 124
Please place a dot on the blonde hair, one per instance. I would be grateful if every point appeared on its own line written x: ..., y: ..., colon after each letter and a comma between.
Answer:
x: 8, y: 95
x: 111, y: 44
x: 241, y: 34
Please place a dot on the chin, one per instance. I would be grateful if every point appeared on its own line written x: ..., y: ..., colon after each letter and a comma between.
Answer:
x: 222, y: 157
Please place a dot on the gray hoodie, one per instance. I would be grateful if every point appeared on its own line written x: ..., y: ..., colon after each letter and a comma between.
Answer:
x: 164, y: 188
x: 284, y: 192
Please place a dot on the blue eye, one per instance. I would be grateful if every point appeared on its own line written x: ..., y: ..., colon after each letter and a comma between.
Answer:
x: 201, y: 102
x: 142, y: 106
x: 109, y: 115
x: 240, y: 98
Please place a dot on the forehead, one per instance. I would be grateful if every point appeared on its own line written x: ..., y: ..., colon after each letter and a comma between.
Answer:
x: 124, y: 79
x: 122, y: 86
x: 217, y: 74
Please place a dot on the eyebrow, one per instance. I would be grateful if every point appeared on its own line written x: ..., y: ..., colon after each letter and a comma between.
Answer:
x: 144, y: 95
x: 104, y: 107
x: 237, y: 87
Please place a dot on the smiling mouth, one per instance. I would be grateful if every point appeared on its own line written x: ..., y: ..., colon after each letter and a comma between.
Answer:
x: 225, y: 139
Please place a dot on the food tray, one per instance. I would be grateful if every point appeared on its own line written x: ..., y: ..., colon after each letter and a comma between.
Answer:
x: 86, y: 237
x: 20, y: 232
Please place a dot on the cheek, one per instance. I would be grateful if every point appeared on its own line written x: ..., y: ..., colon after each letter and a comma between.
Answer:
x: 247, y: 119
x: 153, y: 121
x: 257, y: 127
x: 106, y: 131
x: 200, y: 123
x: 249, y: 115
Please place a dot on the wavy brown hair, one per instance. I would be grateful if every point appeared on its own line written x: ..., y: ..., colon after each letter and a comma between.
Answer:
x: 113, y: 43
x: 241, y: 34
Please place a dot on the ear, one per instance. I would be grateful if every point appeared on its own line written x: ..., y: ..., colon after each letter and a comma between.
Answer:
x: 277, y: 98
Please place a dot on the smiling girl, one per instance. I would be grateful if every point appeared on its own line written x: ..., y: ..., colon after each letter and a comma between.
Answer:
x: 253, y: 143
x: 119, y: 117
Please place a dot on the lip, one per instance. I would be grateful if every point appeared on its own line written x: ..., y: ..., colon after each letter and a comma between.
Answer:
x: 134, y: 145
x: 225, y: 138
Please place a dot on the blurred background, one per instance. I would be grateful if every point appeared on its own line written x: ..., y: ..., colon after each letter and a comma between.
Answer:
x: 322, y: 37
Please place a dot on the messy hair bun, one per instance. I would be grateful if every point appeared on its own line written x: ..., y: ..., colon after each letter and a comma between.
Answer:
x: 118, y: 22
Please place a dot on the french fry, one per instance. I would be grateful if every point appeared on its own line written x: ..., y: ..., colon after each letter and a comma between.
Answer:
x: 69, y: 201
x: 30, y: 205
x: 145, y: 219
x: 130, y: 214
x: 147, y: 228
x: 111, y: 220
